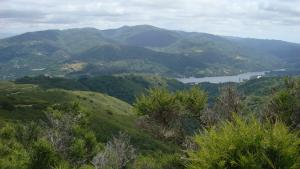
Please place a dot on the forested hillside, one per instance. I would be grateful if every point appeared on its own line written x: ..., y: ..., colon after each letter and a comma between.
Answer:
x: 125, y: 87
x: 140, y: 49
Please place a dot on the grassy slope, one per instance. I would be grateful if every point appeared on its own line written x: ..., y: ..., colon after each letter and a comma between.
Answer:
x: 125, y: 87
x: 108, y: 115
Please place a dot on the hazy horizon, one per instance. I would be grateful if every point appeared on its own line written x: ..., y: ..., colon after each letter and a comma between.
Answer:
x: 12, y: 35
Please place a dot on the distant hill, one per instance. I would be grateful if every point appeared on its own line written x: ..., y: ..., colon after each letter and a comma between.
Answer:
x: 142, y: 49
x: 125, y: 88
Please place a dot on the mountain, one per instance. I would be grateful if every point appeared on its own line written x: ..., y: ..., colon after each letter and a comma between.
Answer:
x: 142, y: 35
x: 141, y: 49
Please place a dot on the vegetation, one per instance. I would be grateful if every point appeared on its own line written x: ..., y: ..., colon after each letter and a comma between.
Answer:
x: 122, y: 87
x: 166, y: 128
x: 285, y: 104
x: 117, y: 153
x: 106, y: 115
x: 170, y: 115
x: 246, y: 144
x: 102, y: 99
x: 139, y: 49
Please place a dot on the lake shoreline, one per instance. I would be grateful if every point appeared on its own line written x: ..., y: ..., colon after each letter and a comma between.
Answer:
x: 224, y: 79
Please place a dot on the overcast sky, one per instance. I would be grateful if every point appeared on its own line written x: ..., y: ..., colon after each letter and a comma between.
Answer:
x: 268, y: 19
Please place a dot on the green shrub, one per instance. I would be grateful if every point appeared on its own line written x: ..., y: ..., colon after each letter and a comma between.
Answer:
x: 164, y: 161
x: 87, y: 167
x: 285, y: 105
x: 13, y: 155
x: 159, y: 104
x: 62, y: 165
x: 8, y: 132
x: 28, y: 133
x: 146, y: 162
x: 78, y: 150
x: 171, y: 115
x: 284, y: 102
x: 164, y: 105
x: 193, y: 100
x: 244, y: 144
x: 171, y: 162
x: 43, y: 156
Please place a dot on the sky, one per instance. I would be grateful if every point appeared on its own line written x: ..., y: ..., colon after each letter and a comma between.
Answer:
x: 264, y: 19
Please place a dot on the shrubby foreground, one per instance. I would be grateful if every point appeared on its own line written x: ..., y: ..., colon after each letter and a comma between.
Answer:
x: 223, y: 135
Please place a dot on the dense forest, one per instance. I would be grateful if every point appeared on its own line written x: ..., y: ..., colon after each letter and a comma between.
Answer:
x: 49, y: 122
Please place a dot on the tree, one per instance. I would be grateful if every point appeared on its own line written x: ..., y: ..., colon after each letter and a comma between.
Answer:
x: 228, y: 102
x: 171, y: 115
x: 67, y: 131
x: 194, y: 101
x: 160, y: 105
x: 284, y: 104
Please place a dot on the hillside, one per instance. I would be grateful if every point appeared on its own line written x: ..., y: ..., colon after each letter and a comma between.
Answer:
x: 128, y: 87
x: 108, y: 115
x: 125, y: 87
x: 26, y: 109
x: 139, y: 49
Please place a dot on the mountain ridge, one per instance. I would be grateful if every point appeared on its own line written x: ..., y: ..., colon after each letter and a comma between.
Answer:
x: 144, y: 49
x: 148, y: 27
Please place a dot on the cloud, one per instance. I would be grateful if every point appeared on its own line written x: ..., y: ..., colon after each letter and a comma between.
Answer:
x: 248, y: 18
x: 16, y: 14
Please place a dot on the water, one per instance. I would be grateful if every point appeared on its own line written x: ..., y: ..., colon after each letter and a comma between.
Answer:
x: 224, y: 79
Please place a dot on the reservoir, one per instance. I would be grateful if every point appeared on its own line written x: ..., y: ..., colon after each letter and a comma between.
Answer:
x: 224, y: 79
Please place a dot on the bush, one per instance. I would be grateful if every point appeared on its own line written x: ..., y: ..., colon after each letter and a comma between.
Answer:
x: 285, y: 104
x: 193, y: 101
x: 171, y: 162
x: 78, y: 150
x: 13, y: 155
x: 43, y: 156
x: 246, y: 144
x: 117, y: 153
x: 159, y: 162
x: 28, y: 133
x: 170, y: 115
x: 8, y: 132
x: 63, y: 165
x: 146, y: 162
x: 159, y: 105
x: 227, y: 103
x: 87, y: 167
